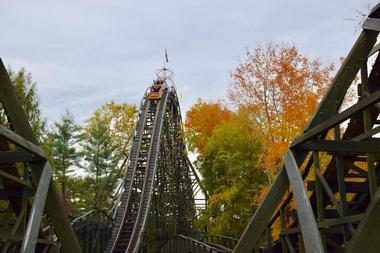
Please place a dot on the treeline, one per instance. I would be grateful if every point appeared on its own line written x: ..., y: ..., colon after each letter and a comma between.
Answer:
x: 240, y: 139
x: 86, y: 158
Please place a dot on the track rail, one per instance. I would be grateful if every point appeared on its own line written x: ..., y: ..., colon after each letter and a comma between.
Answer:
x: 140, y: 177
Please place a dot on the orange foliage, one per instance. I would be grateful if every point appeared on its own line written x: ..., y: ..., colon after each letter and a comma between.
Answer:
x: 281, y: 89
x: 201, y: 120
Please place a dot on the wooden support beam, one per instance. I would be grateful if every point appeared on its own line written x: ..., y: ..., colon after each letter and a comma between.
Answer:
x: 333, y: 99
x: 22, y: 142
x: 335, y: 120
x: 18, y: 156
x: 347, y: 147
x: 32, y: 230
x: 16, y: 193
x: 19, y: 123
x: 367, y: 236
x: 367, y: 134
x: 351, y: 187
x: 372, y: 24
x: 264, y: 212
x: 328, y: 223
x: 14, y: 178
x: 310, y: 233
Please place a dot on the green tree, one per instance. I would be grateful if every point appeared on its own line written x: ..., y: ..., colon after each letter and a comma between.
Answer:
x: 120, y: 119
x: 98, y: 149
x: 228, y: 155
x: 26, y: 92
x: 62, y: 145
x: 104, y: 146
x: 232, y: 177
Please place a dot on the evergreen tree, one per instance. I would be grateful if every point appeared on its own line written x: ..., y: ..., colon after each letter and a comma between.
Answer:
x: 98, y: 149
x: 62, y: 145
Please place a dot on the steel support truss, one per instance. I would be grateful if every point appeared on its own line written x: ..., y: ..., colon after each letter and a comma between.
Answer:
x: 32, y: 216
x: 327, y: 196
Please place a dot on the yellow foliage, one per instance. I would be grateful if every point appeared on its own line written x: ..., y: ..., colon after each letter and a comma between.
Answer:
x: 120, y: 118
x: 280, y: 88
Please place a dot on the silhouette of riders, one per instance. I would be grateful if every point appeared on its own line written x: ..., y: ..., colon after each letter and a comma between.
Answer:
x: 157, y: 86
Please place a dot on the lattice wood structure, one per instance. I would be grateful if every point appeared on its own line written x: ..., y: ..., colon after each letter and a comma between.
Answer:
x: 32, y: 217
x: 326, y: 198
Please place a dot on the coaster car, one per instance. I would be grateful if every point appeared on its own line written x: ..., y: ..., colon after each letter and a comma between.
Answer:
x: 156, y: 90
x: 154, y: 95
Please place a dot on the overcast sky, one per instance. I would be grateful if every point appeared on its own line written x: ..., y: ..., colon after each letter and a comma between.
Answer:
x: 85, y: 53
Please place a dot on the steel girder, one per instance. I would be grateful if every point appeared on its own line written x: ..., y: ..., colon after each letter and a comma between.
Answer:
x: 31, y: 212
x: 326, y: 198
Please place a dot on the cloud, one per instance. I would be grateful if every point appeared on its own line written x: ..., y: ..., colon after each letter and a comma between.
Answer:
x: 84, y: 53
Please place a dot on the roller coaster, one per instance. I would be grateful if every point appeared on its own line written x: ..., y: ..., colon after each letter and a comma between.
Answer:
x: 325, y: 199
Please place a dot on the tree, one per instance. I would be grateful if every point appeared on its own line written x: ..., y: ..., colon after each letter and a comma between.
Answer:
x: 228, y: 150
x: 62, y: 145
x: 120, y: 119
x: 98, y: 149
x: 106, y: 142
x: 26, y: 92
x: 201, y: 120
x: 280, y: 88
x: 231, y: 176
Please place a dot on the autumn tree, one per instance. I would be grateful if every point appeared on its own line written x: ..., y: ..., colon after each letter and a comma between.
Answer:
x: 120, y: 120
x: 228, y: 150
x: 280, y: 88
x: 201, y: 120
x: 230, y: 173
x: 105, y: 145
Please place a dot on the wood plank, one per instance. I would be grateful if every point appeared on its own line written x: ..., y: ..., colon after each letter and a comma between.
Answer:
x: 19, y: 123
x: 367, y: 236
x: 337, y: 119
x: 309, y: 229
x: 351, y: 187
x: 347, y: 147
x: 18, y: 156
x: 22, y: 142
x: 14, y: 178
x: 261, y: 217
x: 33, y: 227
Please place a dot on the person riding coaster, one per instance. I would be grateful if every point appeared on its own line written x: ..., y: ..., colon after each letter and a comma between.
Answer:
x: 157, y: 88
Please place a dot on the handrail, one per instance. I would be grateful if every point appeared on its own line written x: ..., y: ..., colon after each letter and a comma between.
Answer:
x: 201, y: 245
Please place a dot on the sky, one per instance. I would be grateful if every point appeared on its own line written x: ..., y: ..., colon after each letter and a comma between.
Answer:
x: 85, y: 53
